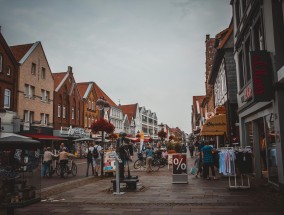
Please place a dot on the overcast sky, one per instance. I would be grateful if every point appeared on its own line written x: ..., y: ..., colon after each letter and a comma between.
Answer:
x: 150, y: 52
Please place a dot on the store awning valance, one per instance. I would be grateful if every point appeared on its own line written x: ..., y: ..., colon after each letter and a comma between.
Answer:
x: 215, y: 126
x: 43, y: 137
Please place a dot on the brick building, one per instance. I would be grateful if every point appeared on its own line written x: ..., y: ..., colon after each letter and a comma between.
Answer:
x: 8, y: 85
x: 35, y: 89
x: 68, y: 107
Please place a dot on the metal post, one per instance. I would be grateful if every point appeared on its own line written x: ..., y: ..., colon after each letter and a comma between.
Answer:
x: 117, y: 178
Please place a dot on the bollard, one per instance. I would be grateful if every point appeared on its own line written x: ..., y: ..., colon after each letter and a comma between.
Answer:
x: 117, y: 161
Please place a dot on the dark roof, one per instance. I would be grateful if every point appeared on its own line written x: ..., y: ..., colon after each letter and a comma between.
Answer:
x: 19, y: 51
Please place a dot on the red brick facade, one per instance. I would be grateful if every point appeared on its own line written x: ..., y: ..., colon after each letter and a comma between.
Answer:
x: 8, y: 76
x: 68, y: 105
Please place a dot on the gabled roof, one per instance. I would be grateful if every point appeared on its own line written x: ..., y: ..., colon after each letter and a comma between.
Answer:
x: 226, y: 37
x: 129, y: 110
x: 84, y: 89
x: 8, y: 50
x: 19, y: 51
x: 58, y: 78
x: 100, y: 93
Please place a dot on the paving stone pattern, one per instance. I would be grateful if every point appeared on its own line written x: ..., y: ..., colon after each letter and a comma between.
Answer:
x: 156, y: 195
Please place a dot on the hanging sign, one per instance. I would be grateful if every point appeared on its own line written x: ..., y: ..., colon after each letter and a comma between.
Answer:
x: 261, y: 76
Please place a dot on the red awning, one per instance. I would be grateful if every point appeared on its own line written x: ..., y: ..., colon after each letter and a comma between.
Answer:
x: 43, y: 137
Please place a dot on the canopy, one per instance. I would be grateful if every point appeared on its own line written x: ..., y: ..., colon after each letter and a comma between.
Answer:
x: 43, y: 137
x: 215, y: 126
x: 14, y: 140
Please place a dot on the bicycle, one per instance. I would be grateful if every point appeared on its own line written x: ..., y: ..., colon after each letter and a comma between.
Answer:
x: 69, y: 168
x: 141, y: 162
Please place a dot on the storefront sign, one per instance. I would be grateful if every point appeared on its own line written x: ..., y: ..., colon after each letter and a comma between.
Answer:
x: 261, y: 76
x: 73, y: 132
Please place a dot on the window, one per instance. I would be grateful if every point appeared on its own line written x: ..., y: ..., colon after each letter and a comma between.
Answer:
x: 44, y: 95
x: 1, y: 63
x: 89, y: 104
x: 73, y: 113
x: 247, y: 60
x: 28, y: 116
x: 258, y: 36
x: 33, y: 69
x: 44, y: 119
x: 93, y: 106
x: 78, y: 114
x: 64, y: 112
x: 42, y: 73
x: 59, y: 110
x: 29, y: 91
x: 241, y: 74
x: 86, y: 122
x: 7, y: 98
x: 8, y: 71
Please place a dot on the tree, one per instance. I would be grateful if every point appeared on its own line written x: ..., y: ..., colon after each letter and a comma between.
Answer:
x: 162, y: 134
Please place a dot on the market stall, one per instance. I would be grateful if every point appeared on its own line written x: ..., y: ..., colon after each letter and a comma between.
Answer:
x: 20, y: 172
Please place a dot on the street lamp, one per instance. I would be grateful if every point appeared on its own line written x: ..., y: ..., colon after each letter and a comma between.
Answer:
x: 2, y: 114
x: 103, y: 106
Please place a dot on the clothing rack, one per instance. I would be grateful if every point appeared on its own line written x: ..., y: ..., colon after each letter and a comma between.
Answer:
x: 242, y: 184
x: 235, y: 185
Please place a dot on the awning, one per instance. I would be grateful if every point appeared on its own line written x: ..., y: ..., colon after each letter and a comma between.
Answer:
x: 43, y: 137
x: 15, y: 140
x: 215, y: 126
x: 84, y: 139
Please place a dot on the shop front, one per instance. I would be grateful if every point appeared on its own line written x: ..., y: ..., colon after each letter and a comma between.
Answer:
x: 256, y: 118
x: 259, y: 134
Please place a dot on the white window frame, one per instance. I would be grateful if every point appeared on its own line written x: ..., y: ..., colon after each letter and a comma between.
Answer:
x: 28, y: 116
x: 7, y: 98
x: 73, y: 113
x: 44, y: 119
x: 64, y: 112
x: 59, y: 110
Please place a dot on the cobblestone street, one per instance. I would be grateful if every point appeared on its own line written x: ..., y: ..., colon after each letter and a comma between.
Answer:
x: 156, y: 194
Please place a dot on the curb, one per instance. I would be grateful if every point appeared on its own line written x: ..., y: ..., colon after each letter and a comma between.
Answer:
x: 69, y: 185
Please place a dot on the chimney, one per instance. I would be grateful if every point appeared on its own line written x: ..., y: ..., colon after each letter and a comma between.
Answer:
x: 207, y: 37
x: 69, y: 69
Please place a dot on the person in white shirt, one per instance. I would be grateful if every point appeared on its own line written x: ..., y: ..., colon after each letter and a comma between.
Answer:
x: 47, y: 160
x: 97, y: 160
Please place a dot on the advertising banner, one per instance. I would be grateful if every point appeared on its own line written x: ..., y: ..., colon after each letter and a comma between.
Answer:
x: 179, y: 168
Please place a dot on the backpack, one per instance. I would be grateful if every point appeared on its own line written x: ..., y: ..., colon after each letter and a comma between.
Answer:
x: 89, y: 155
x: 95, y: 152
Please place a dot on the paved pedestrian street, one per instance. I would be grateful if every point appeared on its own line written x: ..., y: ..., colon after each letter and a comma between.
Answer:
x: 156, y: 194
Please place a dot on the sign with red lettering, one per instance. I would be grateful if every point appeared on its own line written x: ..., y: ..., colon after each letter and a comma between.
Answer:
x: 261, y: 76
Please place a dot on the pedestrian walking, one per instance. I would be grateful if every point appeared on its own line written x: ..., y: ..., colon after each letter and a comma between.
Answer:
x: 97, y: 158
x: 89, y: 152
x: 149, y: 157
x: 191, y: 149
x: 47, y: 160
x: 208, y: 161
x: 198, y: 165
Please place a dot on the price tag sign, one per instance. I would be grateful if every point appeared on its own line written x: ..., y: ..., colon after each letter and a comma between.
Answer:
x: 179, y: 164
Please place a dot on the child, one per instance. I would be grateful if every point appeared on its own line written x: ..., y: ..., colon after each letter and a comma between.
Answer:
x: 198, y: 164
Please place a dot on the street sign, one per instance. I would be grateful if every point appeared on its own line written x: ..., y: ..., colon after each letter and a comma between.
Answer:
x: 179, y: 168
